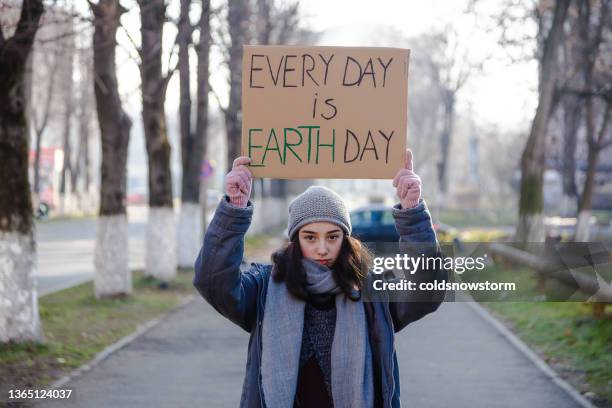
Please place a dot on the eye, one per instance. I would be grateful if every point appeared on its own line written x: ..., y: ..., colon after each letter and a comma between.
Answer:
x: 334, y: 237
x: 309, y: 238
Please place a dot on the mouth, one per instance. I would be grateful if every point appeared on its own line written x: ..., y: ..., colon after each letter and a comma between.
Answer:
x: 323, y: 261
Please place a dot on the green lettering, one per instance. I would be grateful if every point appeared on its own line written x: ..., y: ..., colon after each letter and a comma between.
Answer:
x: 288, y: 145
x: 332, y: 145
x: 309, y: 136
x: 251, y: 146
x: 272, y: 133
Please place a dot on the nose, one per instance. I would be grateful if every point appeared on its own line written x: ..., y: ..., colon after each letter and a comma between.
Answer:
x: 322, y: 248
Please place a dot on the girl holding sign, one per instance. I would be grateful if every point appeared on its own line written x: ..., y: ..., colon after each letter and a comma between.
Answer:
x: 314, y: 341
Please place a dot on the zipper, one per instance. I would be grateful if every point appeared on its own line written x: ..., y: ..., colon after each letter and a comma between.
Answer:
x: 390, y: 326
x: 259, y: 330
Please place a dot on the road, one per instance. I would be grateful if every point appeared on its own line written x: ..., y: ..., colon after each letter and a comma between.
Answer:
x: 66, y: 250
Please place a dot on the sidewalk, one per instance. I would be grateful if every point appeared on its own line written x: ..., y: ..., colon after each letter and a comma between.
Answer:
x: 196, y: 357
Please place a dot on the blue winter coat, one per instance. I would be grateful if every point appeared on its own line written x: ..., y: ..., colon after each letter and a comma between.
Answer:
x: 240, y: 295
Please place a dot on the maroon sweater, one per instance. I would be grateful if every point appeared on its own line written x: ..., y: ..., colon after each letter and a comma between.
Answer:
x: 314, y: 378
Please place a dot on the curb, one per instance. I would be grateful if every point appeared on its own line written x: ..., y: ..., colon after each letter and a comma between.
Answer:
x: 118, y: 345
x: 531, y: 355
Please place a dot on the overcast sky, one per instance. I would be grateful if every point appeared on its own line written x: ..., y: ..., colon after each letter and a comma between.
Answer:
x: 503, y: 96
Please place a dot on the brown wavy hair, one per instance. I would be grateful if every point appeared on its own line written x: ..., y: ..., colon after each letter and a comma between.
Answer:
x: 349, y: 270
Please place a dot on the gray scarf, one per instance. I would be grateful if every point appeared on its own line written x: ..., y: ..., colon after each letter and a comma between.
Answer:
x: 352, y: 383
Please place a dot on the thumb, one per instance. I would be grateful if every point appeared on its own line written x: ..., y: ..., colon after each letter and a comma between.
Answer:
x: 408, y: 161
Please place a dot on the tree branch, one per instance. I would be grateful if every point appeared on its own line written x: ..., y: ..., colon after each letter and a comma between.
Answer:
x: 23, y: 38
x: 602, y: 131
x: 212, y: 90
x: 1, y: 35
x: 604, y: 93
x: 129, y: 37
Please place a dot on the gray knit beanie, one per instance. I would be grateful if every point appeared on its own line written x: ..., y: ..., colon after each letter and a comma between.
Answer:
x: 318, y: 203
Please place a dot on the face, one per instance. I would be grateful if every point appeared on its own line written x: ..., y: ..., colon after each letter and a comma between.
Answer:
x: 321, y: 242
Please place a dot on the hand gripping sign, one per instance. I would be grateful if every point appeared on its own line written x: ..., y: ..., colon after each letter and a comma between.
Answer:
x: 324, y: 112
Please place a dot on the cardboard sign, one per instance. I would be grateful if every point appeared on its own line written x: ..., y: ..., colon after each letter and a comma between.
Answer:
x: 324, y: 112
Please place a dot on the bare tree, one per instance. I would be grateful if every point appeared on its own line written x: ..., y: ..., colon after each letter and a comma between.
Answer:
x: 84, y: 115
x: 40, y: 114
x: 238, y: 20
x: 193, y: 142
x: 570, y: 113
x: 68, y: 82
x: 448, y: 66
x: 161, y: 229
x: 203, y: 88
x: 112, y: 276
x: 530, y: 226
x: 595, y: 76
x: 19, y: 318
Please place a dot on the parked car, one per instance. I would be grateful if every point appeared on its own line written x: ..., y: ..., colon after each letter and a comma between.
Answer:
x: 374, y: 223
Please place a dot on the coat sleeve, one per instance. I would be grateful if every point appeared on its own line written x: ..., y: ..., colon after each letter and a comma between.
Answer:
x: 418, y: 238
x: 218, y: 277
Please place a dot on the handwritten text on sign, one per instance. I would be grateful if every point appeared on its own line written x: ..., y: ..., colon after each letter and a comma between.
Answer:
x: 324, y: 112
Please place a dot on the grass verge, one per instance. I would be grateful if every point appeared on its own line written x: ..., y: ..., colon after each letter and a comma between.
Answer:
x: 567, y: 337
x: 77, y: 326
x: 565, y: 334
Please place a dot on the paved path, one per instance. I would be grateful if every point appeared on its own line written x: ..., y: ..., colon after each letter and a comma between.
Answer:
x: 197, y: 358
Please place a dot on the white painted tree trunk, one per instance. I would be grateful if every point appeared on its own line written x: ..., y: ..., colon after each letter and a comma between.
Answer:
x: 19, y: 319
x: 583, y: 226
x: 531, y: 228
x: 111, y: 257
x: 270, y: 213
x: 160, y: 259
x: 568, y: 205
x: 189, y: 234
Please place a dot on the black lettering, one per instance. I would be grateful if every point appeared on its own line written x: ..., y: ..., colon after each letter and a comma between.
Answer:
x: 388, y: 139
x: 307, y: 71
x: 358, y: 81
x: 370, y: 72
x: 275, y: 79
x: 333, y: 115
x: 285, y: 70
x: 254, y: 69
x: 326, y: 62
x: 385, y: 69
x: 365, y: 146
x: 346, y: 143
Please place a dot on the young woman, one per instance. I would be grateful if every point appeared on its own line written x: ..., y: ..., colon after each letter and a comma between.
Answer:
x: 314, y: 341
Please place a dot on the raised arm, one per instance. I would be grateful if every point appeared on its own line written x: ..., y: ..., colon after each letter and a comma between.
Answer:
x: 413, y: 224
x: 218, y: 277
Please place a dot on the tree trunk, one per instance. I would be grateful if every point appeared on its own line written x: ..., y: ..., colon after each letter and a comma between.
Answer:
x: 112, y: 275
x: 68, y: 85
x: 530, y: 226
x: 67, y: 131
x: 202, y: 103
x: 161, y: 229
x: 192, y: 143
x: 445, y: 139
x: 19, y: 318
x: 583, y: 224
x: 571, y: 124
x: 238, y: 20
x: 589, y: 45
x: 39, y: 128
